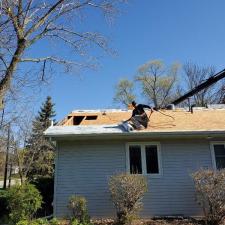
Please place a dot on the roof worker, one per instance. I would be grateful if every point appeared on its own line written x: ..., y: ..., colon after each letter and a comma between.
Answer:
x: 139, y: 118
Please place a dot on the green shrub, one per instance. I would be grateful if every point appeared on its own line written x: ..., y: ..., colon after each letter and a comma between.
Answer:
x: 42, y: 222
x: 4, y: 211
x: 127, y: 191
x: 4, y: 219
x: 78, y: 207
x: 54, y: 221
x: 45, y: 186
x: 24, y: 201
x: 75, y: 222
x: 34, y: 222
x: 23, y: 222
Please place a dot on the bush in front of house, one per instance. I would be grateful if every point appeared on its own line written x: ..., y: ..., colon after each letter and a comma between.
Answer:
x: 210, y: 193
x: 78, y: 207
x: 27, y: 222
x: 40, y: 221
x: 4, y: 211
x: 54, y: 221
x: 127, y: 191
x: 24, y: 201
x: 45, y: 186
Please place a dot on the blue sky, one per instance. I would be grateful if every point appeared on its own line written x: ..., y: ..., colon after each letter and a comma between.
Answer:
x: 170, y: 30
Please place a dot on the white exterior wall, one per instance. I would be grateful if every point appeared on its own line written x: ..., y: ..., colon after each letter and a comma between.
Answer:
x: 84, y: 169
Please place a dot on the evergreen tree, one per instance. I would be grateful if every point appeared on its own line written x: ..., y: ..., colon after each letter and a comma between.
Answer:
x: 40, y: 151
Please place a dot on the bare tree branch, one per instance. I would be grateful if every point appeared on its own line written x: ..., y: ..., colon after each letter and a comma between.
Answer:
x: 195, y: 75
x: 25, y: 22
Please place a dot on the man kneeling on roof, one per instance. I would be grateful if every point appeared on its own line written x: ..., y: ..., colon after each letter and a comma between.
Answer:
x: 139, y: 118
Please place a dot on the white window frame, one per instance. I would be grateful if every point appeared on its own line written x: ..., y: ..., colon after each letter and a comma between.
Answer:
x: 213, y: 151
x: 143, y: 158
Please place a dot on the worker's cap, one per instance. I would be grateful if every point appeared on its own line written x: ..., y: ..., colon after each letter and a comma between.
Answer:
x: 133, y: 103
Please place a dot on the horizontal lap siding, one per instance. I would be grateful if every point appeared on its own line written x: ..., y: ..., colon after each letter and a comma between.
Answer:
x: 173, y: 193
x: 85, y: 170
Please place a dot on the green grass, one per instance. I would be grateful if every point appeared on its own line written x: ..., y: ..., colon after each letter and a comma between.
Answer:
x: 14, y: 176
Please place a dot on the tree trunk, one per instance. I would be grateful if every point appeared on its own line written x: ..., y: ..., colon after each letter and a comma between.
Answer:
x: 5, y: 82
x: 19, y: 165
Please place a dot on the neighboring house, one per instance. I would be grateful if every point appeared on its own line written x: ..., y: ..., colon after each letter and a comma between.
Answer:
x: 14, y: 169
x: 91, y: 147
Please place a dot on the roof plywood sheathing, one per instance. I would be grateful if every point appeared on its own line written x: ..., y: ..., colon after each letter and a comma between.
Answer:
x: 201, y: 119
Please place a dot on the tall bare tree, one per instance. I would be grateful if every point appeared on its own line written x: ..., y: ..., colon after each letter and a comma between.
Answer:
x: 24, y: 23
x: 158, y: 82
x: 195, y: 75
x: 124, y: 92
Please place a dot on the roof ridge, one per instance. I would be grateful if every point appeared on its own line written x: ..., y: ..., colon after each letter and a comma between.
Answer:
x: 99, y: 110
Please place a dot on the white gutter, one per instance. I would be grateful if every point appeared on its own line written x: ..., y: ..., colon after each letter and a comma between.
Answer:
x: 64, y: 133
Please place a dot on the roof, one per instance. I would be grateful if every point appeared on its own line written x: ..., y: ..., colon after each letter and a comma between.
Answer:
x: 84, y: 122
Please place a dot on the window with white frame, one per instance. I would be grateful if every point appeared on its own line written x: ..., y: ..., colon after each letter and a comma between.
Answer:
x: 143, y: 158
x: 218, y: 152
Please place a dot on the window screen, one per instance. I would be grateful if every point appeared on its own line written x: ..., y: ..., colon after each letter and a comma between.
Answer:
x: 151, y: 159
x: 220, y: 156
x: 135, y: 159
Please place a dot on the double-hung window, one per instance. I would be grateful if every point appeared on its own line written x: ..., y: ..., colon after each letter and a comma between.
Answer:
x: 218, y: 154
x: 144, y: 158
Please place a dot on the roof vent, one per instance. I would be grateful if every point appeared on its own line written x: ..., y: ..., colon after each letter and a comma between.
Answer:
x: 170, y: 107
x: 216, y: 106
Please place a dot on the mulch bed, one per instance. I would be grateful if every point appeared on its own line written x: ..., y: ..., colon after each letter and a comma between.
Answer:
x: 155, y: 222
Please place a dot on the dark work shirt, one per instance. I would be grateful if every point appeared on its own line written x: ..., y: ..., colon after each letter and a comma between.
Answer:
x: 139, y: 109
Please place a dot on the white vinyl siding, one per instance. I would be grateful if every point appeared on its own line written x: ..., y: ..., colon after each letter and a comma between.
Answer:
x: 84, y: 168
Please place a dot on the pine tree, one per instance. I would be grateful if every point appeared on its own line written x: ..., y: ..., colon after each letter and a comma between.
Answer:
x: 40, y: 151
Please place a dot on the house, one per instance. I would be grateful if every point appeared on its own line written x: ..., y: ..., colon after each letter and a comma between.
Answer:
x: 91, y: 147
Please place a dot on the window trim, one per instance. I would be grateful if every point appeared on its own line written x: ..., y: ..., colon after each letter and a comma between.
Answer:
x: 143, y: 158
x: 212, y: 143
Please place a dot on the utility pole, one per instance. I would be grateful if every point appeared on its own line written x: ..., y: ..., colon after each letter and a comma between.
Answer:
x: 7, y: 158
x: 10, y: 175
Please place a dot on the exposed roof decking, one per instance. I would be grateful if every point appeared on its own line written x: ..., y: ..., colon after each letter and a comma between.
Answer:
x: 203, y: 120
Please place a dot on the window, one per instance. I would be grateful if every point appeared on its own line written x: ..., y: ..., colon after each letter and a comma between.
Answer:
x: 135, y: 159
x: 143, y: 158
x: 218, y: 153
x: 151, y: 159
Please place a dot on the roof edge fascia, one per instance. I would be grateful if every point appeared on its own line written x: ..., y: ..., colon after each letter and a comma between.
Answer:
x: 141, y: 135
